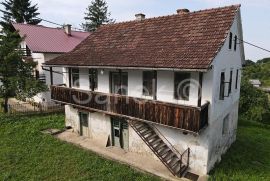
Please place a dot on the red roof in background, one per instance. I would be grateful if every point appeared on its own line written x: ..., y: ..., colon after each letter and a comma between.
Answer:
x: 51, y: 40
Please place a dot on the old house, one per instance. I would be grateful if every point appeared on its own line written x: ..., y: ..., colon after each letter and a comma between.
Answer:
x: 42, y: 44
x: 255, y: 82
x: 166, y: 87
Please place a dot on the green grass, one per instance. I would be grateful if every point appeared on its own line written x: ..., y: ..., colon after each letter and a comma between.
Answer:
x: 27, y: 154
x: 249, y: 157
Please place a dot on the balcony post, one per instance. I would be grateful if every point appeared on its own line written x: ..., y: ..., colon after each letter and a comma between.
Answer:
x: 51, y: 75
x: 200, y: 89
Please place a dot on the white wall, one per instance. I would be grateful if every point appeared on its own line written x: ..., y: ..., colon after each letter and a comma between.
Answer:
x: 41, y: 58
x: 165, y: 85
x: 225, y: 61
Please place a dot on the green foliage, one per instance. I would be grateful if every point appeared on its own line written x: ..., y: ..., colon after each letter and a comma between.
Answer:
x: 19, y: 11
x: 254, y: 103
x: 15, y: 74
x: 97, y: 14
x: 28, y: 154
x: 260, y: 70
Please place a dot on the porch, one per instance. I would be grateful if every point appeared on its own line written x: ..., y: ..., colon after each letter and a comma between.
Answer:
x: 187, y: 118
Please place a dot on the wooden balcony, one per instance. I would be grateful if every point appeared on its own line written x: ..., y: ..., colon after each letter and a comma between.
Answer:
x: 188, y: 118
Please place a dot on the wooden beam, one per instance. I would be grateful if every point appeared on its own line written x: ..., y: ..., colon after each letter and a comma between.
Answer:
x: 69, y: 78
x: 51, y: 75
x: 200, y: 89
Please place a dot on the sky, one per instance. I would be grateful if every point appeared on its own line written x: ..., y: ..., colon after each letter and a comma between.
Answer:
x: 255, y: 15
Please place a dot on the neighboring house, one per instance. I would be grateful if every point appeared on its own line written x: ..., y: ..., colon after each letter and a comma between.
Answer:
x: 44, y: 43
x: 161, y: 86
x: 255, y: 82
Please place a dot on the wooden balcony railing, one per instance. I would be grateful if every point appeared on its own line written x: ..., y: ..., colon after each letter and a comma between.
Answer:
x: 187, y: 118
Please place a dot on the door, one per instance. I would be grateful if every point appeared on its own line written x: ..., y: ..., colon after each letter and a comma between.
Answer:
x: 120, y: 134
x: 119, y: 83
x: 84, y: 128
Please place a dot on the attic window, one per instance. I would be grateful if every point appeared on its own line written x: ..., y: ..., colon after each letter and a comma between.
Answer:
x: 235, y: 42
x: 230, y: 41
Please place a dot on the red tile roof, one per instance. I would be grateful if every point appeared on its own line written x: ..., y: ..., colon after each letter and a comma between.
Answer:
x: 187, y: 41
x: 51, y: 40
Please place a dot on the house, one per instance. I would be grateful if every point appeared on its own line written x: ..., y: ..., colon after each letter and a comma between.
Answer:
x: 45, y: 43
x: 255, y: 82
x: 166, y: 87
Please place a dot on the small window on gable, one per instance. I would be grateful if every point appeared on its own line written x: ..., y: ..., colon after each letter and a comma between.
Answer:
x: 225, y: 126
x: 222, y: 86
x: 235, y: 42
x: 236, y: 79
x: 230, y: 40
x: 182, y: 86
x: 230, y: 83
x: 93, y: 79
x: 75, y: 73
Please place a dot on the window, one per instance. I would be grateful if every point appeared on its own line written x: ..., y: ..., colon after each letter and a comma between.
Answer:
x: 75, y: 73
x: 236, y: 79
x: 149, y: 83
x: 222, y: 86
x: 119, y: 83
x: 93, y: 79
x: 230, y: 41
x: 235, y: 42
x: 230, y: 83
x: 225, y: 126
x: 181, y: 86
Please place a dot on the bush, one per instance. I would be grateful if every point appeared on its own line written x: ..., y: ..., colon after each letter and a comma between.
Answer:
x: 254, y: 103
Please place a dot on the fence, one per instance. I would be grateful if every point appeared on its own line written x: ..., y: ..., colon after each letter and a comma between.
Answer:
x: 33, y: 108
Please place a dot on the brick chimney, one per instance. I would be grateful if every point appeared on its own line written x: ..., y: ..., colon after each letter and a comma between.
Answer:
x: 182, y: 11
x: 140, y: 16
x: 67, y: 29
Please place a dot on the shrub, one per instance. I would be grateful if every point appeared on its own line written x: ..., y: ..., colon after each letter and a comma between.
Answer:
x: 254, y: 103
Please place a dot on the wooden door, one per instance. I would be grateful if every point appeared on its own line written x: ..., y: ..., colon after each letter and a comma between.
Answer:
x: 84, y: 127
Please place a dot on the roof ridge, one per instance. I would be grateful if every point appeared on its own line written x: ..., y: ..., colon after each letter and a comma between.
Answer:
x: 156, y: 17
x: 42, y: 26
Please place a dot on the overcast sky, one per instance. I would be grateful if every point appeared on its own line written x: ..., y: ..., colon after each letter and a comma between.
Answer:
x: 255, y: 15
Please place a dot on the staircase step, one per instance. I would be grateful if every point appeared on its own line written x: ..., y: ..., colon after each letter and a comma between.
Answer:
x: 143, y: 128
x: 139, y: 125
x: 174, y: 161
x: 164, y: 151
x: 146, y: 132
x: 176, y: 169
x: 152, y: 137
x: 155, y: 142
x: 160, y: 146
x: 169, y: 157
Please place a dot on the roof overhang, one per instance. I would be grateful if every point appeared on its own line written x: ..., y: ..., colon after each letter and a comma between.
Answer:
x: 131, y: 68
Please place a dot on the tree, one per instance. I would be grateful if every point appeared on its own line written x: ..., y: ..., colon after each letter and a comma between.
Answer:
x: 16, y: 75
x: 19, y: 11
x: 97, y: 14
x: 254, y: 103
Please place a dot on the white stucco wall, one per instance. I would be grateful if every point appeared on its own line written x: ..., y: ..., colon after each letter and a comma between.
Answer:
x: 225, y: 61
x: 41, y: 58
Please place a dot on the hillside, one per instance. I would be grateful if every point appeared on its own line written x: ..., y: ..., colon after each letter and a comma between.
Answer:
x: 259, y: 70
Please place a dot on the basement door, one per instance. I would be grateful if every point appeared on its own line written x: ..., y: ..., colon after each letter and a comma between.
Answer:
x: 84, y: 128
x: 120, y: 134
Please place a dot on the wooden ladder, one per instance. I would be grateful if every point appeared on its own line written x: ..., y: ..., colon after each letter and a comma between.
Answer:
x: 162, y: 148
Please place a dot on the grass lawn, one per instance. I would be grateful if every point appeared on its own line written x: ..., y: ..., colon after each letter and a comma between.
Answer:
x: 27, y: 154
x: 249, y: 157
